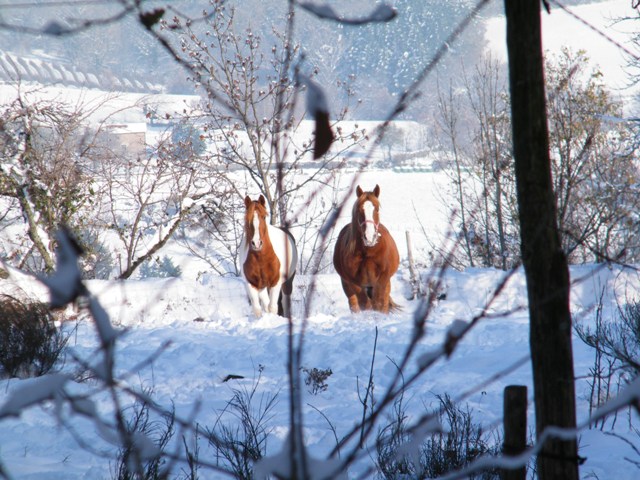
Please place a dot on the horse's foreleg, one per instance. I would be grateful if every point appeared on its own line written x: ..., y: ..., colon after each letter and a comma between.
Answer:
x: 354, y: 304
x: 364, y: 298
x: 274, y: 294
x: 265, y: 299
x: 354, y: 294
x: 380, y: 297
x: 254, y: 298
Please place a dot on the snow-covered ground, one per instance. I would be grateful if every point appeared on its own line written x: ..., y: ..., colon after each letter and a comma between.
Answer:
x: 204, y: 328
x: 207, y: 332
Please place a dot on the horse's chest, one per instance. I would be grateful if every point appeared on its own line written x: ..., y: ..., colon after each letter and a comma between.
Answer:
x: 262, y: 272
x: 366, y: 268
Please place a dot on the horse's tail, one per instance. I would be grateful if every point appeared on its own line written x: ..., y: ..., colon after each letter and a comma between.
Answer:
x: 394, y: 307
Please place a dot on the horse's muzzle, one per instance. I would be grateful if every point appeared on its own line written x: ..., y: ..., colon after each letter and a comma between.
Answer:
x: 371, y: 243
x: 365, y: 238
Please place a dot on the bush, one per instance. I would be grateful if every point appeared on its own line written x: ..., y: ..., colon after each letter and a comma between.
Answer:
x: 97, y: 261
x: 131, y: 464
x: 239, y: 437
x: 156, y: 268
x: 315, y: 379
x: 440, y: 453
x: 463, y: 443
x: 616, y: 344
x: 30, y: 343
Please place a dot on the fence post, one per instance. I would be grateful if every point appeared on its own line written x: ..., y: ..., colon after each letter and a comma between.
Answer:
x: 515, y: 428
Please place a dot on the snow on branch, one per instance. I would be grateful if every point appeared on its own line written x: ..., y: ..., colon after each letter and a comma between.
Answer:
x: 43, y: 388
x: 279, y: 465
x: 65, y: 283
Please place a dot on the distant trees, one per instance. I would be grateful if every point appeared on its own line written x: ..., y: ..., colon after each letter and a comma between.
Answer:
x: 379, y: 61
x: 251, y: 108
x: 633, y: 62
x: 594, y: 165
x: 387, y: 57
x: 483, y: 175
x: 148, y: 196
x: 75, y: 35
x: 59, y: 170
x: 43, y: 180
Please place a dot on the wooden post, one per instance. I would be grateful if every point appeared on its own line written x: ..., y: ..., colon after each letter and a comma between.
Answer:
x: 515, y: 428
x: 543, y: 257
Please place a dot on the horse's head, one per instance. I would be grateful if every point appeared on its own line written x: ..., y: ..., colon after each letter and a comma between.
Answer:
x: 255, y: 222
x: 366, y: 215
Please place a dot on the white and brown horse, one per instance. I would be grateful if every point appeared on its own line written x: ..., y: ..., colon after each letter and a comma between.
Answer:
x: 366, y: 256
x: 268, y: 256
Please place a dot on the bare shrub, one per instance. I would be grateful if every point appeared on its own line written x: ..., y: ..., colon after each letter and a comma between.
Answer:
x: 441, y: 452
x: 316, y: 378
x: 460, y: 445
x: 239, y: 436
x: 130, y: 462
x: 390, y: 465
x: 30, y: 343
x: 616, y: 344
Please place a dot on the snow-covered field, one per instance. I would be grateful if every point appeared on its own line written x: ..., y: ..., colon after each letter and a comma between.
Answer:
x: 205, y: 331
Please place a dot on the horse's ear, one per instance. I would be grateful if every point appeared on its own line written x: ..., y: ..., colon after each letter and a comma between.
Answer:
x: 262, y: 201
x: 376, y: 191
x: 247, y: 201
x: 358, y: 191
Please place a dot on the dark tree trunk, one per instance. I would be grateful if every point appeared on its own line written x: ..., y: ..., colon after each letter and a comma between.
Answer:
x: 545, y: 263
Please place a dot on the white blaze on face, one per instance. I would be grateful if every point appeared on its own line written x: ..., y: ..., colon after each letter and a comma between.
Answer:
x: 256, y: 243
x: 370, y: 233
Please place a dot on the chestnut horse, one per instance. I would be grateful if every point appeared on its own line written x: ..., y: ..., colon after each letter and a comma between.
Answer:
x: 366, y: 256
x: 268, y: 256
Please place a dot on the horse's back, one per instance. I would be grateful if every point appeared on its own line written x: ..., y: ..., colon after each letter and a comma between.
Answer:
x: 339, y: 251
x: 392, y: 255
x: 285, y: 249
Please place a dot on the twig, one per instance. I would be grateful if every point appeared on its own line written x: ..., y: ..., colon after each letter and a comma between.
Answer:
x: 369, y: 391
